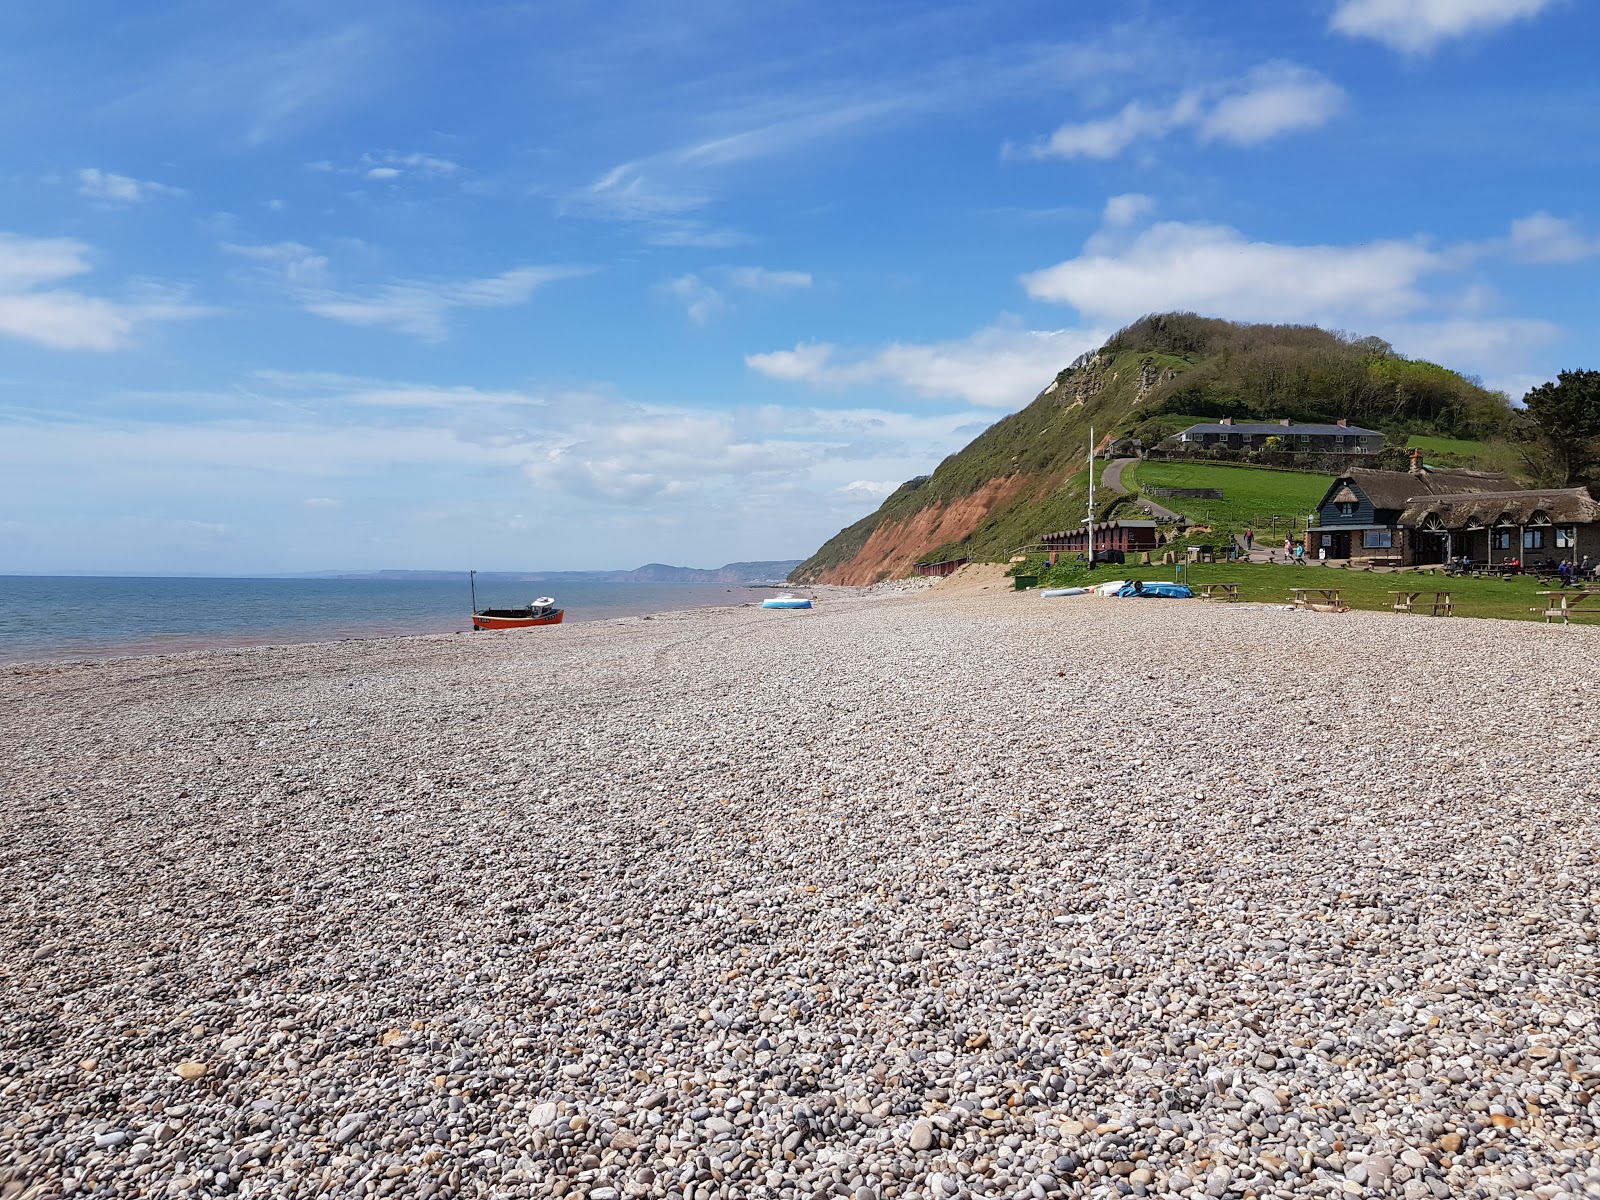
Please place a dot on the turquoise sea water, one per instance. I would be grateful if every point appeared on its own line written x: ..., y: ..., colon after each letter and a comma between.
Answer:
x: 56, y: 617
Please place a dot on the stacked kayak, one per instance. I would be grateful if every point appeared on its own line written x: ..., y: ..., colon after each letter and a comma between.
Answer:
x: 786, y: 602
x: 1052, y: 593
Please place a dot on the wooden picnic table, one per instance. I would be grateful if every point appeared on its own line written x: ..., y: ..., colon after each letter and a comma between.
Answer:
x: 1319, y: 599
x: 1219, y: 591
x: 1411, y: 601
x: 1571, y: 604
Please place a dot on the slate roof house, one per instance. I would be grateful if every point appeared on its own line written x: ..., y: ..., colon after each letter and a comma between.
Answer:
x: 1430, y: 515
x: 1339, y: 438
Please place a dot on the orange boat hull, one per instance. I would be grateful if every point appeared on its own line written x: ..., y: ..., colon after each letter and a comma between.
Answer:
x: 483, y: 621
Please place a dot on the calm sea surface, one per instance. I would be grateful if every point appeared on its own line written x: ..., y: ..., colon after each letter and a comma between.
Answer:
x: 43, y: 617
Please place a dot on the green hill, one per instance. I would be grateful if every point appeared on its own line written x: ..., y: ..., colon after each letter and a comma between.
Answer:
x: 1024, y: 475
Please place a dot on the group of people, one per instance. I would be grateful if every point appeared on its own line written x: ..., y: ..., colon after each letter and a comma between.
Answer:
x: 1570, y: 573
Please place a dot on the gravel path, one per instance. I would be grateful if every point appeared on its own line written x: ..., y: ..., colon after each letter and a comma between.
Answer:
x: 1111, y: 479
x: 899, y: 897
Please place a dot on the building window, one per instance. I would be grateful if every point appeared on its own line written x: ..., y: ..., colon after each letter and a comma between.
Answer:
x: 1347, y: 508
x: 1377, y: 539
x: 1566, y: 537
x: 1533, y: 539
x: 1502, y: 539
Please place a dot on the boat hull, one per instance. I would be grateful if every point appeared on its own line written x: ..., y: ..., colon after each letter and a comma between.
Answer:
x: 491, y: 621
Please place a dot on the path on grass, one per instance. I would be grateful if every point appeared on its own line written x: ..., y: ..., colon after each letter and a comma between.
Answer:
x: 1111, y: 478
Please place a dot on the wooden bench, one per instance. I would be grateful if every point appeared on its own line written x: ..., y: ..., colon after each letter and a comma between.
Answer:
x: 1440, y: 605
x: 1219, y: 591
x: 1323, y: 599
x: 1571, y: 604
x: 1385, y: 562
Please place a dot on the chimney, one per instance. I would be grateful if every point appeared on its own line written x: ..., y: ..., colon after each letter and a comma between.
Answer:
x: 1416, y: 461
x: 1284, y: 421
x: 1343, y: 423
x: 1225, y: 421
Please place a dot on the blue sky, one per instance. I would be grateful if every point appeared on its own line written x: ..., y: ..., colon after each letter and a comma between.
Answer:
x: 409, y: 284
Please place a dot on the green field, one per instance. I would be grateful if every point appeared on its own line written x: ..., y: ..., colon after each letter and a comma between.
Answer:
x: 1269, y: 502
x: 1444, y: 445
x: 1515, y: 599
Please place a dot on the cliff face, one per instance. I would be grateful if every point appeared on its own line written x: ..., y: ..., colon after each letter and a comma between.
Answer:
x: 1024, y: 475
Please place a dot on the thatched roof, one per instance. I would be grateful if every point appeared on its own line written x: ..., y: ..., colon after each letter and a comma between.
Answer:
x: 1396, y: 489
x: 1560, y: 506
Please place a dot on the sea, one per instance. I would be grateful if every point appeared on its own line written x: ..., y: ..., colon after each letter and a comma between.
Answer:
x: 78, y: 617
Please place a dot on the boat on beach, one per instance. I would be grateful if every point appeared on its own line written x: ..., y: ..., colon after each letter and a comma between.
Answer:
x: 542, y: 611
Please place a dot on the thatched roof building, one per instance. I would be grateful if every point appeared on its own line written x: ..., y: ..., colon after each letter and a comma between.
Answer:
x: 1477, y: 510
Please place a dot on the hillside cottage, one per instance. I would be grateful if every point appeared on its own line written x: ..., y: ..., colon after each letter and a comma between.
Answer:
x: 1339, y: 438
x: 1431, y: 515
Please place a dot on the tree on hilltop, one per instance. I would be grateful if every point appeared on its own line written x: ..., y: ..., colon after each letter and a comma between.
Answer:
x: 1566, y: 414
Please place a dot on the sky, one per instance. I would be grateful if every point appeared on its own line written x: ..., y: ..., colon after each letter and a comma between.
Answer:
x: 332, y: 284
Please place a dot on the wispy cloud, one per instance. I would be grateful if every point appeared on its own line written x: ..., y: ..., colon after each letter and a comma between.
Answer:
x: 703, y: 301
x: 1419, y: 26
x: 110, y: 188
x: 1542, y: 238
x: 743, y: 125
x: 422, y: 308
x: 63, y: 319
x: 997, y: 367
x: 390, y: 167
x: 297, y: 263
x: 1273, y: 99
x: 261, y: 88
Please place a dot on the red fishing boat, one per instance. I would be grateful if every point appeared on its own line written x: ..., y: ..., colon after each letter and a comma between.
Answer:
x: 542, y: 611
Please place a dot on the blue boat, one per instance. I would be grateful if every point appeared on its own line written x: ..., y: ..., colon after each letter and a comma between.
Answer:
x: 786, y: 602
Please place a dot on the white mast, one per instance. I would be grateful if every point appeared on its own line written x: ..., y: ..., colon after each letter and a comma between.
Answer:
x: 1090, y: 521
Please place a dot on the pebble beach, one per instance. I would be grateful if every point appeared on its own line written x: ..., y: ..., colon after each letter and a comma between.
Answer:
x: 911, y: 895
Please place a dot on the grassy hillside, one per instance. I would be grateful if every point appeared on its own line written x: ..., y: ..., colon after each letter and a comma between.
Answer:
x: 1024, y: 475
x: 1268, y: 502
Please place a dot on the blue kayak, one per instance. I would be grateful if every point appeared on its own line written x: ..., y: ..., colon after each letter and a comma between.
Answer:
x: 786, y: 602
x: 1157, y: 591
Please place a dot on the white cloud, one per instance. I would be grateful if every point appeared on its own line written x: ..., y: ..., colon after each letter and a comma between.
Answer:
x: 1489, y: 346
x: 387, y: 168
x: 1127, y: 209
x: 759, y: 279
x: 1542, y: 238
x: 642, y: 455
x: 120, y: 189
x: 68, y: 320
x: 421, y: 309
x: 1276, y: 98
x: 869, y: 488
x: 700, y: 300
x: 1215, y: 270
x: 27, y: 262
x: 1417, y: 26
x: 1110, y: 136
x: 996, y: 367
x: 321, y: 502
x: 299, y: 264
x: 1272, y: 99
x: 703, y: 300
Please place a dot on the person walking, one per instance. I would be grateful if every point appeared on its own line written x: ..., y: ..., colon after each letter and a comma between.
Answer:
x: 1249, y: 540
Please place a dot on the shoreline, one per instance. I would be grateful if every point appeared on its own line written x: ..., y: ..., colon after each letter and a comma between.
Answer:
x: 615, y: 602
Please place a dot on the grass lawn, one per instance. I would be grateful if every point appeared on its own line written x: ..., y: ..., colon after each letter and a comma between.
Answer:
x: 1444, y: 445
x: 1251, y: 497
x: 1270, y: 583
